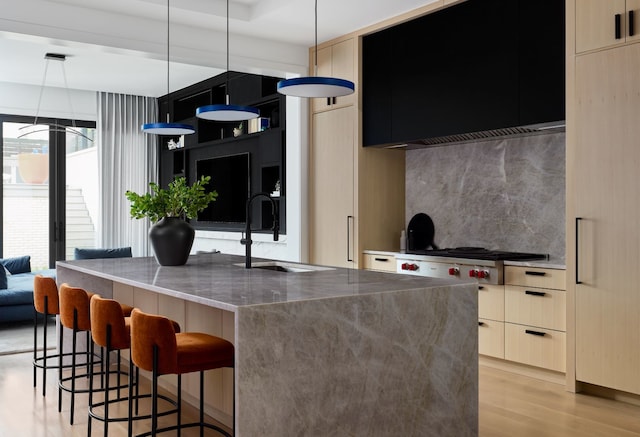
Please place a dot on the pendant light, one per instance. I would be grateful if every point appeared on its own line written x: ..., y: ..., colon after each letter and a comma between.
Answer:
x: 227, y: 112
x: 168, y: 128
x: 53, y: 127
x: 316, y: 86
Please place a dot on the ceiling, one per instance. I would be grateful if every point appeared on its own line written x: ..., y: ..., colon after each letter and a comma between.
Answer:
x: 121, y: 45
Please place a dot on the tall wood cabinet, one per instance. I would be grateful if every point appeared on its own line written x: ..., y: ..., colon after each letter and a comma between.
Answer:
x: 356, y: 195
x: 335, y: 60
x: 603, y: 214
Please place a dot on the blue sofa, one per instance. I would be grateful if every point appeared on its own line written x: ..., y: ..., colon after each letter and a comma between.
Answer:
x: 16, y: 288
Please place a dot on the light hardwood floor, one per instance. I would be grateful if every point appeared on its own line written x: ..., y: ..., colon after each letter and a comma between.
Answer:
x: 510, y: 405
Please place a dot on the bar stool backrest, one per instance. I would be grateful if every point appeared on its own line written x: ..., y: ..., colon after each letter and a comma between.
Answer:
x: 74, y: 298
x: 108, y: 312
x: 147, y: 331
x: 44, y: 286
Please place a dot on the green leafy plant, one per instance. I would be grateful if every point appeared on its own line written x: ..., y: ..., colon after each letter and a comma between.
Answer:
x: 179, y: 200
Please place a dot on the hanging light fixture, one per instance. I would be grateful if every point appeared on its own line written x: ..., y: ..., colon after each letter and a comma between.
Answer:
x: 167, y: 128
x: 227, y: 112
x: 316, y: 86
x: 55, y: 127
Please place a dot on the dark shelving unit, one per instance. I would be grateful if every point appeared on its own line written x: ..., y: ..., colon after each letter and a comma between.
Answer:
x: 266, y: 147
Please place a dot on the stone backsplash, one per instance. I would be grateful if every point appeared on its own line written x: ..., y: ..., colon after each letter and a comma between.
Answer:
x: 506, y: 194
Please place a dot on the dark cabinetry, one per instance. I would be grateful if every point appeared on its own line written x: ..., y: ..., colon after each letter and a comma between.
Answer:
x: 476, y: 66
x: 242, y: 158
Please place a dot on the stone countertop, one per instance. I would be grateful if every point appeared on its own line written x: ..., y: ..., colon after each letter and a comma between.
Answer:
x: 221, y: 281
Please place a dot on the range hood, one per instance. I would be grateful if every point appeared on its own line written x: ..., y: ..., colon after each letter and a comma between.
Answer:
x: 508, y: 132
x: 478, y: 70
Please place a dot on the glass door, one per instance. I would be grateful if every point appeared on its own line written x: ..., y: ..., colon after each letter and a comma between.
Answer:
x: 50, y: 190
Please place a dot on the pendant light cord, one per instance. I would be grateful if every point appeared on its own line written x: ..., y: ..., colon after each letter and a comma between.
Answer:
x: 315, y: 69
x: 227, y: 85
x: 168, y: 30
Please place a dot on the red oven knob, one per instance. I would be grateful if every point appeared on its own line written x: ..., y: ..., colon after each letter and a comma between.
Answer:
x: 405, y: 266
x: 413, y: 267
x: 473, y: 273
x: 482, y: 274
x: 454, y: 271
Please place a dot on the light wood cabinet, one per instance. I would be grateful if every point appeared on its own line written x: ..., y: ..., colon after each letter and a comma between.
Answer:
x: 607, y: 23
x: 491, y: 320
x: 336, y: 60
x: 381, y: 263
x: 605, y: 217
x: 535, y: 317
x: 332, y: 184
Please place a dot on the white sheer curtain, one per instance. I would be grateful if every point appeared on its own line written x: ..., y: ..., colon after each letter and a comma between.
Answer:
x: 127, y: 160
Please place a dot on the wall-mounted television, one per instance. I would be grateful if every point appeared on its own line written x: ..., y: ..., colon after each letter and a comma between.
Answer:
x: 230, y: 177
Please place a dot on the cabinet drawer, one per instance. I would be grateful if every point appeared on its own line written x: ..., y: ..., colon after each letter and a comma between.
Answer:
x: 535, y: 277
x: 491, y: 302
x: 383, y: 263
x: 535, y: 346
x: 491, y: 338
x: 541, y: 307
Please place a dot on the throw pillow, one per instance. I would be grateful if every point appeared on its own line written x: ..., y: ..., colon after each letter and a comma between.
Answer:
x: 119, y: 252
x: 20, y: 264
x: 3, y: 280
x: 6, y: 271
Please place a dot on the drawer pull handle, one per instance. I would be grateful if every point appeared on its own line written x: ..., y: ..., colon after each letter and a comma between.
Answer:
x: 538, y: 333
x: 531, y: 273
x: 618, y: 26
x: 384, y: 260
x: 632, y: 30
x: 480, y: 287
x: 535, y: 293
x: 481, y: 323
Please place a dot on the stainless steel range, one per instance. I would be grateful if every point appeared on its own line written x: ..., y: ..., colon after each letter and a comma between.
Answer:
x: 486, y: 266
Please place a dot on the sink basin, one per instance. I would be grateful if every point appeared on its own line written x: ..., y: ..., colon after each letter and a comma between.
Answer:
x: 278, y: 266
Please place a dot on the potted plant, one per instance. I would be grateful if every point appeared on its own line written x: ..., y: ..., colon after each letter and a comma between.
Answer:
x: 172, y: 236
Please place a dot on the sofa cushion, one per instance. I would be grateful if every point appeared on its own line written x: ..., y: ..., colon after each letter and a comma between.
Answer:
x: 19, y: 264
x: 119, y: 252
x: 3, y: 279
x: 20, y: 288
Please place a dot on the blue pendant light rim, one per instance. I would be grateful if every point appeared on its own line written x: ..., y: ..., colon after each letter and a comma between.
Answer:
x: 169, y: 126
x: 316, y: 80
x: 229, y: 108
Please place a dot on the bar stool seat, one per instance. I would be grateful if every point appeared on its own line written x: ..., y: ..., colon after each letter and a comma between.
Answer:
x: 157, y: 348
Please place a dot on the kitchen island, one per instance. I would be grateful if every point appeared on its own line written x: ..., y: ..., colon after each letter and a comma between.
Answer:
x: 319, y: 351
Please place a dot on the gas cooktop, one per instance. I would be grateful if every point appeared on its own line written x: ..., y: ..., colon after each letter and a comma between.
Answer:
x: 480, y: 253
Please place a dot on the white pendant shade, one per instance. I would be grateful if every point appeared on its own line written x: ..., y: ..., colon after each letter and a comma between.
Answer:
x: 227, y: 112
x: 316, y: 86
x: 167, y: 128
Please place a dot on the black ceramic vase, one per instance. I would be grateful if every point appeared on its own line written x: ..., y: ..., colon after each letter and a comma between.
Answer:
x: 171, y: 239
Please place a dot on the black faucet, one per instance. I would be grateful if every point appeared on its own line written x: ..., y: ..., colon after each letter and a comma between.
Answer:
x: 247, y: 230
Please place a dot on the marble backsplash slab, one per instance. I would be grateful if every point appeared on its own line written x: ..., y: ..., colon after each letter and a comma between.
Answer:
x: 506, y: 194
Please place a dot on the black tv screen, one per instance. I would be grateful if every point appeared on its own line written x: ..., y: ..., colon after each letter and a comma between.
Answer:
x: 230, y: 178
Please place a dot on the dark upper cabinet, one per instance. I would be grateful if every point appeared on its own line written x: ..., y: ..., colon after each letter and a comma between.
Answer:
x: 480, y: 65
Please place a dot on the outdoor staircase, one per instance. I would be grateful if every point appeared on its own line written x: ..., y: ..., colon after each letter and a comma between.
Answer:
x: 80, y: 231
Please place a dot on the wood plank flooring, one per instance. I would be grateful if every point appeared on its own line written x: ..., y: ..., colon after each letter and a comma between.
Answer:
x: 510, y: 405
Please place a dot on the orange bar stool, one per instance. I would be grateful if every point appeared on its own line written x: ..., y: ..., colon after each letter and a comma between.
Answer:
x: 75, y: 315
x: 111, y: 330
x: 156, y: 347
x: 45, y: 302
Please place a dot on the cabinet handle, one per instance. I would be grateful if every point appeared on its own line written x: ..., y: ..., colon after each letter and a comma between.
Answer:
x: 578, y: 219
x: 384, y: 260
x: 481, y: 323
x: 535, y: 293
x: 631, y: 24
x: 328, y: 101
x: 618, y: 24
x: 531, y: 273
x: 538, y: 333
x: 334, y: 100
x: 349, y: 219
x: 480, y: 287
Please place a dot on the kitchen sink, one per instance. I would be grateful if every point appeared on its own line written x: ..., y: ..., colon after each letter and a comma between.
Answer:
x: 278, y: 266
